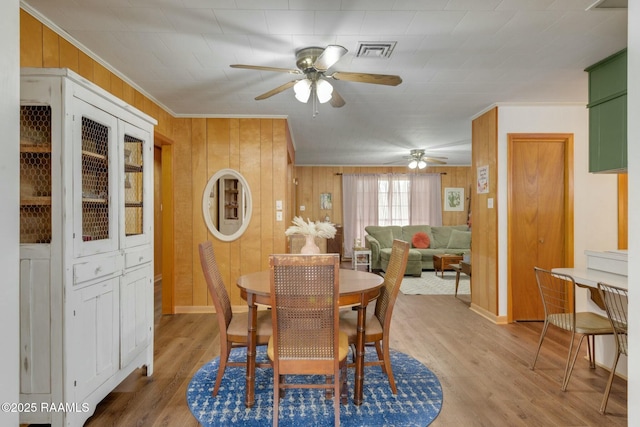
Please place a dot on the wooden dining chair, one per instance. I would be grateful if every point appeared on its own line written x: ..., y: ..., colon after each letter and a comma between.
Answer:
x: 378, y: 323
x: 558, y: 299
x: 617, y: 306
x: 233, y: 326
x: 306, y: 339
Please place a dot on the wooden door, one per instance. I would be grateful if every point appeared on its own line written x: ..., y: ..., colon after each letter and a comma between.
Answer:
x: 539, y: 216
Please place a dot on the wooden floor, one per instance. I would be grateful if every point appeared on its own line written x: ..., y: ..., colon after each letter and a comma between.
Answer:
x: 483, y: 369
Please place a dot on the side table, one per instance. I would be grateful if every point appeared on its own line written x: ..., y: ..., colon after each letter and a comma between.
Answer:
x: 361, y: 256
x: 463, y: 267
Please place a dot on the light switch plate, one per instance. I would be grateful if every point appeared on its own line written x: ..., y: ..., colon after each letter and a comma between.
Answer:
x: 279, y: 216
x: 302, y: 208
x: 278, y: 205
x: 490, y: 203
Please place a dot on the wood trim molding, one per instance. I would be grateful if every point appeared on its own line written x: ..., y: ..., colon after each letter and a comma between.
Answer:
x: 159, y: 140
x: 498, y: 320
x: 166, y: 183
x: 623, y: 211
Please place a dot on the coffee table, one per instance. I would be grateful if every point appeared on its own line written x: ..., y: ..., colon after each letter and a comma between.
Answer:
x: 443, y: 262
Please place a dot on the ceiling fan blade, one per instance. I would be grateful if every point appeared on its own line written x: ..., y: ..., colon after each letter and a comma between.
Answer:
x: 329, y: 56
x: 336, y: 100
x: 434, y: 160
x: 379, y: 79
x: 277, y: 90
x: 261, y: 68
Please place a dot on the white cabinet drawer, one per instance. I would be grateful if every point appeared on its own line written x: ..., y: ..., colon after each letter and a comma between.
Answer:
x: 137, y: 257
x: 95, y: 269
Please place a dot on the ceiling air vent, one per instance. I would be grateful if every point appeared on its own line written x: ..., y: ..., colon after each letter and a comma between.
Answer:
x: 375, y: 49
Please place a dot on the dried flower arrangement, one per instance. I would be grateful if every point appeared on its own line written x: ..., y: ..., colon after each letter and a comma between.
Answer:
x: 310, y: 228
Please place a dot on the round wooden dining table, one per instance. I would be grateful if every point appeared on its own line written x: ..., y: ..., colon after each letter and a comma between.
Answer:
x: 357, y: 289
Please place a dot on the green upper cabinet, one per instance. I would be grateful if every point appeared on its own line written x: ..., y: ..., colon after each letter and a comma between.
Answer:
x: 608, y: 114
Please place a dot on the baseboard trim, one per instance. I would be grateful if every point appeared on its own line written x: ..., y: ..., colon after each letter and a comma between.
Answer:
x: 498, y: 320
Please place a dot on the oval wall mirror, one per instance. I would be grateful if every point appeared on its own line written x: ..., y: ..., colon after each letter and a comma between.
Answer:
x: 226, y: 205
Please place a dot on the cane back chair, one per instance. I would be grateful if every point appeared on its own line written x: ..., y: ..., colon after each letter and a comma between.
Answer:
x: 233, y: 326
x: 306, y: 339
x: 378, y: 323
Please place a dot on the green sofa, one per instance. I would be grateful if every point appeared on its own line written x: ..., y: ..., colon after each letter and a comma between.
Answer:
x: 446, y: 239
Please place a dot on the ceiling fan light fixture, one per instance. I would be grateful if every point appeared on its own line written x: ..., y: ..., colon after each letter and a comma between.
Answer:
x: 422, y: 164
x: 413, y: 164
x: 302, y: 90
x: 323, y: 91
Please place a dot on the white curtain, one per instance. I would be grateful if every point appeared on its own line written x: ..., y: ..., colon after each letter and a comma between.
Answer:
x: 360, y: 208
x: 393, y: 199
x: 425, y: 202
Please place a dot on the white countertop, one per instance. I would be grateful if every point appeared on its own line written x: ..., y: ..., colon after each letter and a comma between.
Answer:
x: 591, y: 277
x: 613, y: 254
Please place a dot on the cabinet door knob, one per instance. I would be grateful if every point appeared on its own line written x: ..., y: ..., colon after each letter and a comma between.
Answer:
x: 98, y: 270
x: 541, y: 240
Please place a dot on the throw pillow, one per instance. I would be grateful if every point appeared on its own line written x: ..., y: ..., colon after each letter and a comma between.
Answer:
x: 384, y: 236
x: 459, y: 240
x: 420, y: 240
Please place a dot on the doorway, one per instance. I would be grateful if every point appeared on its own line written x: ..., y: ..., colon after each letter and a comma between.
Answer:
x: 539, y: 215
x: 163, y: 245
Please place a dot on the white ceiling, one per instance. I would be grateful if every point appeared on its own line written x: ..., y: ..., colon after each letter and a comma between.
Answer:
x: 455, y: 57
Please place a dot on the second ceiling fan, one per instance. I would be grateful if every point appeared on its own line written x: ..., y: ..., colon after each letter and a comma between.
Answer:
x: 313, y: 64
x: 417, y: 158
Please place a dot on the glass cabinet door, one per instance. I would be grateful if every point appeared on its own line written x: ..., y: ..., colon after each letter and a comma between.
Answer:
x: 95, y: 225
x: 136, y: 184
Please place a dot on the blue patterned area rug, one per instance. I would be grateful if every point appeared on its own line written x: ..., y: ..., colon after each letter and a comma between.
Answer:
x: 417, y: 403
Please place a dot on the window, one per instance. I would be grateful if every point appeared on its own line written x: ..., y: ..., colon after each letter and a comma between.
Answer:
x: 393, y: 200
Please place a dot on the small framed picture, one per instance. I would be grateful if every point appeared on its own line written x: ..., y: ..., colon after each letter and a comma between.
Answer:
x: 453, y: 199
x: 483, y: 179
x: 325, y: 201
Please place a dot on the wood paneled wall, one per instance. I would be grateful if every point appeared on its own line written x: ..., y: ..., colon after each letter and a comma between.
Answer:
x: 257, y: 148
x: 484, y: 232
x: 260, y: 149
x: 41, y: 47
x: 312, y: 181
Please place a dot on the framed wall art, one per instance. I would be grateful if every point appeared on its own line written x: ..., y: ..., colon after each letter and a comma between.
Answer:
x: 453, y: 199
x: 325, y: 201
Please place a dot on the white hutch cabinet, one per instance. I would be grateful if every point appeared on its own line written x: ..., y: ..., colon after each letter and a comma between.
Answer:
x: 86, y: 254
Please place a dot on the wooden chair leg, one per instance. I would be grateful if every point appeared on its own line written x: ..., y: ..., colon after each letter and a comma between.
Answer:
x: 344, y: 392
x: 224, y: 357
x: 276, y: 400
x: 328, y: 393
x: 283, y: 391
x: 388, y: 370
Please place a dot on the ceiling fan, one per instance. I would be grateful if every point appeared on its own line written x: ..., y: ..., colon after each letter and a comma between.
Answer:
x: 418, y: 159
x: 313, y: 64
